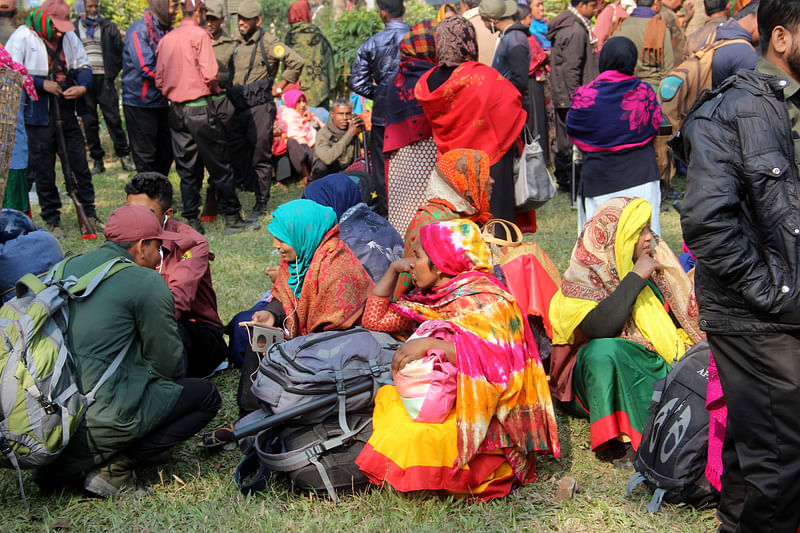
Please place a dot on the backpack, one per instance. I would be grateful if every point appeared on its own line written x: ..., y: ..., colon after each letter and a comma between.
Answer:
x: 672, y: 456
x: 317, y: 393
x: 41, y: 404
x: 686, y: 82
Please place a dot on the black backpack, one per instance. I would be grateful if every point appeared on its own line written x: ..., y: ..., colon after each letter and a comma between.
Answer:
x: 672, y: 456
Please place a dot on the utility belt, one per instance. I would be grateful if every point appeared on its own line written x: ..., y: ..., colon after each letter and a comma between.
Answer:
x: 251, y: 94
x: 202, y: 101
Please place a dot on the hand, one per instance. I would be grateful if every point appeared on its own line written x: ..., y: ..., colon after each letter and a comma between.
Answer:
x: 272, y: 273
x: 646, y: 265
x: 356, y: 125
x: 52, y: 87
x: 264, y: 318
x: 688, y: 7
x: 75, y: 92
x: 402, y: 265
x: 410, y: 351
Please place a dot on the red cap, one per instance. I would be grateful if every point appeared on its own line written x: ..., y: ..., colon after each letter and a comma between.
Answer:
x: 131, y: 223
x: 58, y: 10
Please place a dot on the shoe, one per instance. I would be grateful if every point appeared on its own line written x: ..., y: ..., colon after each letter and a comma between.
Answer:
x: 111, y: 478
x: 236, y: 224
x: 672, y: 194
x: 55, y: 230
x: 259, y: 210
x: 196, y: 225
x: 98, y: 167
x: 127, y: 163
x: 98, y: 224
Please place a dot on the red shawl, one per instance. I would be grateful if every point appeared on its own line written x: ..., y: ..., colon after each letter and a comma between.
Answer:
x: 334, y: 291
x: 475, y: 108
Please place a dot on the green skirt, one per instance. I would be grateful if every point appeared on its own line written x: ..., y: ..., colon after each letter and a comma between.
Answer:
x: 16, y: 195
x: 613, y: 383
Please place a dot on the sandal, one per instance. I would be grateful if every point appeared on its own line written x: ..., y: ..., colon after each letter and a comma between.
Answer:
x: 218, y: 437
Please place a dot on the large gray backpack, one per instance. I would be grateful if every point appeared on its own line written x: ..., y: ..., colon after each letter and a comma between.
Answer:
x: 317, y: 392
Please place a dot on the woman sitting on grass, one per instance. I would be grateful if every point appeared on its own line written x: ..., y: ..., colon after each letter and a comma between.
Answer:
x: 300, y: 127
x: 503, y: 415
x: 319, y: 286
x: 625, y: 312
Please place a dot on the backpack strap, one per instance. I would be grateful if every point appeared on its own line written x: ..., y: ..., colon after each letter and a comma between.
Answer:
x: 634, y: 482
x: 250, y: 466
x: 108, y: 373
x: 309, y: 454
x: 655, y: 502
x: 87, y: 283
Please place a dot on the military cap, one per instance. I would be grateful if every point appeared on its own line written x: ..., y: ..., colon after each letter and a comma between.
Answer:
x: 249, y: 9
x: 215, y: 8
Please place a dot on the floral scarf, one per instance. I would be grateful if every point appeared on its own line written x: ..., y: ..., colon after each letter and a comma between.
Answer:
x: 455, y: 41
x: 405, y: 121
x: 334, y: 291
x: 503, y: 401
x: 626, y: 106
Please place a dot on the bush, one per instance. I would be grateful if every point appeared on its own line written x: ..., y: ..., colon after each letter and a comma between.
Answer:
x: 346, y: 35
x: 416, y: 12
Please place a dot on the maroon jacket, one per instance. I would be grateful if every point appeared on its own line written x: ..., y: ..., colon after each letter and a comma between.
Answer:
x: 186, y: 269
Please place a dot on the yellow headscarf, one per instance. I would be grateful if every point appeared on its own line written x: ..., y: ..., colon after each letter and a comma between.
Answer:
x: 601, y: 258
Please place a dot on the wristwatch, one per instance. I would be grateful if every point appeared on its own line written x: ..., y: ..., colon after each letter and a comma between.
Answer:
x: 279, y: 89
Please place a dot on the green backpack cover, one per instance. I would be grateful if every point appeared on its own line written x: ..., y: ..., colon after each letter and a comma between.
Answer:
x: 40, y: 403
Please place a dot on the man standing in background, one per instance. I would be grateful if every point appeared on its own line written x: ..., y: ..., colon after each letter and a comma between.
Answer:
x: 8, y: 12
x: 377, y: 61
x: 102, y: 41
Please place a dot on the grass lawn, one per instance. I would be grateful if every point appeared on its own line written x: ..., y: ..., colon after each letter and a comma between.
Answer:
x: 196, y: 492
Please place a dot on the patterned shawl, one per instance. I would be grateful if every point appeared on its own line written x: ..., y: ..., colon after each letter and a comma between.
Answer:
x: 334, y: 292
x: 319, y: 71
x: 405, y: 121
x: 503, y: 401
x: 475, y: 108
x: 602, y: 257
x: 455, y: 41
x: 626, y: 106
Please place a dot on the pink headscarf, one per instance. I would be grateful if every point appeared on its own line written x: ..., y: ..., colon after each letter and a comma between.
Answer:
x: 291, y: 97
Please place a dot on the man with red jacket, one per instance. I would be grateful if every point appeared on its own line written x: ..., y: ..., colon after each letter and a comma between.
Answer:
x: 185, y: 266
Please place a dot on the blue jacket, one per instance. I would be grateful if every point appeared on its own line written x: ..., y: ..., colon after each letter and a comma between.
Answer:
x: 378, y: 59
x: 512, y: 58
x: 729, y: 59
x: 139, y: 67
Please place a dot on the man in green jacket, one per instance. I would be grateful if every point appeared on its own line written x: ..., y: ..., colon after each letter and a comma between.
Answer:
x: 147, y: 406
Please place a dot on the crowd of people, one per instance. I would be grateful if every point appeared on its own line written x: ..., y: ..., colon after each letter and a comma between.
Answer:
x: 391, y: 240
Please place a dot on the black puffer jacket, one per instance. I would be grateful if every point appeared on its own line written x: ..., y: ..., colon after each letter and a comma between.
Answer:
x: 741, y: 215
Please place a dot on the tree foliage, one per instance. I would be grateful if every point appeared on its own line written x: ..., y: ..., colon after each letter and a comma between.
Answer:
x: 346, y: 35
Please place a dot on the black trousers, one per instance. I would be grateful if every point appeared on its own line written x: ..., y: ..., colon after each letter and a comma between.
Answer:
x: 42, y: 149
x: 563, y: 156
x: 501, y: 202
x: 149, y: 135
x: 197, y: 405
x: 377, y: 167
x: 250, y: 138
x: 244, y: 398
x: 204, y: 347
x: 198, y: 142
x: 760, y: 377
x: 103, y: 93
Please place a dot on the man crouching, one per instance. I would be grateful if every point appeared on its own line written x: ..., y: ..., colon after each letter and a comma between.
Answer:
x: 146, y: 407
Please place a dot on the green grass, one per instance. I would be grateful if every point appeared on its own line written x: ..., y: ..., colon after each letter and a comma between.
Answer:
x: 196, y: 492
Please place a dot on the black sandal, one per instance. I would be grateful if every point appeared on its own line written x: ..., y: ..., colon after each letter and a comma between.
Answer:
x: 218, y: 437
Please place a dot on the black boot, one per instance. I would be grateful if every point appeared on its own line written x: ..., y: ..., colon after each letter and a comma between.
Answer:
x: 98, y: 167
x: 196, y: 225
x: 259, y: 210
x: 236, y: 224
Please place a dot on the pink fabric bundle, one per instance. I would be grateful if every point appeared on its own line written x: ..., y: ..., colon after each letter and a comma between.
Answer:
x: 427, y: 386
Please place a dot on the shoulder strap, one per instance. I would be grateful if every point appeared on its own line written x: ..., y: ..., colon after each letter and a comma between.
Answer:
x: 253, y: 55
x: 87, y: 283
x: 109, y: 372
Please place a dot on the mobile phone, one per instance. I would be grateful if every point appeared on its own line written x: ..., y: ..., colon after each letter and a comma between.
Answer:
x: 263, y: 337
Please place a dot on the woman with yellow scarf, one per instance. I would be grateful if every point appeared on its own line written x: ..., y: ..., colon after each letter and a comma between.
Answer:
x: 625, y: 312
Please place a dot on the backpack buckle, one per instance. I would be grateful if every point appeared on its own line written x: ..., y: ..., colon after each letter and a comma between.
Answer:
x: 49, y: 407
x: 314, y: 452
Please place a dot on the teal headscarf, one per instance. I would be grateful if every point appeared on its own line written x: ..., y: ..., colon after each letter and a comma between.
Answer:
x: 301, y: 224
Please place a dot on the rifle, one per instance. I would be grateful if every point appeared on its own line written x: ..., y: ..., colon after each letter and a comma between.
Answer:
x: 364, y: 147
x: 70, y: 181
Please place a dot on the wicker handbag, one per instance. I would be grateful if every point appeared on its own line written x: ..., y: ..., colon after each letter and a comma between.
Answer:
x: 512, y: 237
